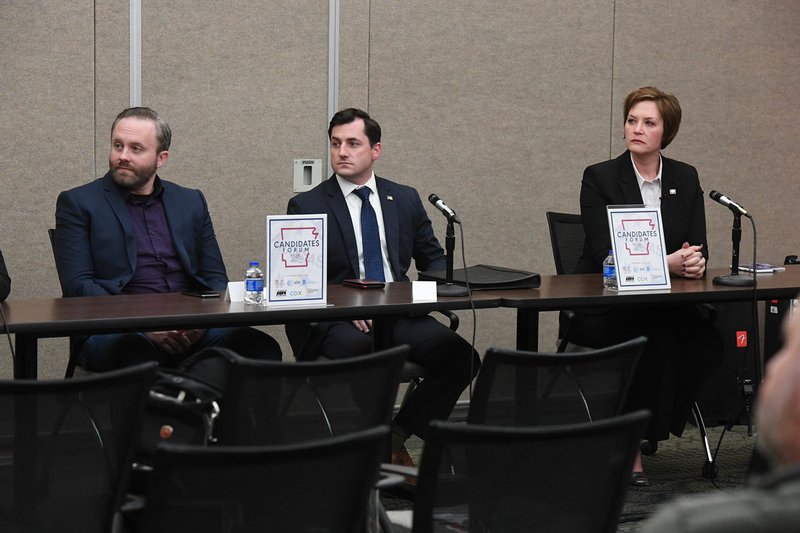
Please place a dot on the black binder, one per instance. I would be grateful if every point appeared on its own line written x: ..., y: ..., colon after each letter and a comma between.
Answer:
x: 484, y: 277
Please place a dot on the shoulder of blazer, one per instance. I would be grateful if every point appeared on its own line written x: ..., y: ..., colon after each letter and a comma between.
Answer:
x: 678, y: 168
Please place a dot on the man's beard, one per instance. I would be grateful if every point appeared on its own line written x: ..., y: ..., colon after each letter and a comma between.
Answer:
x: 135, y: 181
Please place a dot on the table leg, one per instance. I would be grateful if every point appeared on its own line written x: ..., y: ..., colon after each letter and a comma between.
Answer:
x: 528, y: 329
x: 26, y: 357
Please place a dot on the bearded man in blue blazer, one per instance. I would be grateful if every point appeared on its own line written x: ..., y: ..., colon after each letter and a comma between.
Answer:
x: 401, y: 232
x: 130, y: 232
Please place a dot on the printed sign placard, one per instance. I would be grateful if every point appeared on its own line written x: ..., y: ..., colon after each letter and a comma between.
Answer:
x: 297, y: 260
x: 637, y: 237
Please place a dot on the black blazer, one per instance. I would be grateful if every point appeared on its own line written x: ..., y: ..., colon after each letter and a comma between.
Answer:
x: 614, y: 182
x: 409, y: 233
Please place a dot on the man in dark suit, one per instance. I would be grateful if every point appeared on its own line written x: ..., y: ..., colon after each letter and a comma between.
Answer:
x: 381, y: 246
x: 130, y: 232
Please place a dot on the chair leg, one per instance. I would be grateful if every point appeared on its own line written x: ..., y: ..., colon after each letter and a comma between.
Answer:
x: 710, y: 466
x: 412, y: 384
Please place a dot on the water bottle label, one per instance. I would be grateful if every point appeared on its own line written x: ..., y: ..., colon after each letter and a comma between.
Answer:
x: 609, y: 271
x: 254, y: 285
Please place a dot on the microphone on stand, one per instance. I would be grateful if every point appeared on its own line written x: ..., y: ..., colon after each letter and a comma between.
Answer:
x: 734, y: 279
x: 439, y: 204
x: 449, y: 288
x: 730, y: 204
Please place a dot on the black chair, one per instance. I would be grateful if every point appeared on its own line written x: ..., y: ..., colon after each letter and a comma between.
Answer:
x: 267, y: 402
x: 566, y: 238
x: 520, y: 479
x: 74, y: 342
x: 323, y: 485
x: 517, y: 388
x: 66, y: 449
x: 307, y: 348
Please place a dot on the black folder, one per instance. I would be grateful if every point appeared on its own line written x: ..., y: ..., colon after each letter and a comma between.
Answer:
x: 484, y: 277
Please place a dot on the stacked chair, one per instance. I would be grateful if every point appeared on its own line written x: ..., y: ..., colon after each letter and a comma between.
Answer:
x: 298, y: 448
x: 544, y: 447
x: 569, y: 478
x: 66, y: 447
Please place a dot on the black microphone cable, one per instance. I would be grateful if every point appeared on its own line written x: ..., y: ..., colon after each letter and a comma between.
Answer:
x: 472, y: 307
x: 748, y: 396
x: 8, y: 336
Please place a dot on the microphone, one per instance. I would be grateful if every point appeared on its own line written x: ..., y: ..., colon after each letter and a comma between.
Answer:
x: 446, y: 211
x: 730, y: 204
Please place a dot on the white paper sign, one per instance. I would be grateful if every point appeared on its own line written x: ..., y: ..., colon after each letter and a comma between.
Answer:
x: 297, y: 260
x: 235, y: 291
x: 637, y: 237
x: 423, y: 291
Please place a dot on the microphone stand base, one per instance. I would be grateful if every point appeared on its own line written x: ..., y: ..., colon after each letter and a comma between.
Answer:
x: 450, y: 289
x: 734, y: 280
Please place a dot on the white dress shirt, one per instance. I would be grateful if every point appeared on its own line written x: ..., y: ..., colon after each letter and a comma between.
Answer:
x: 354, y: 206
x: 651, y: 189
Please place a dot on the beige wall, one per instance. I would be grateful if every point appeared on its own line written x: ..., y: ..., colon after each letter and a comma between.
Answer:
x: 496, y: 107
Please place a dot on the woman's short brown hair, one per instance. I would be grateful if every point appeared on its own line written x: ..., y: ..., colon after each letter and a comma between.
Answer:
x: 667, y: 104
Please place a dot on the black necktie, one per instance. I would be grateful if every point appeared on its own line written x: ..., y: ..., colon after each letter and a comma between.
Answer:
x: 370, y: 238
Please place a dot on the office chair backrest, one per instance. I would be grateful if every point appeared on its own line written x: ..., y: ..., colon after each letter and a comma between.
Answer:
x: 556, y: 478
x: 323, y: 485
x: 269, y: 402
x: 567, y: 239
x: 517, y: 388
x: 67, y: 446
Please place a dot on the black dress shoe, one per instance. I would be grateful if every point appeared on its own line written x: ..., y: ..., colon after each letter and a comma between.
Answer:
x: 639, y: 479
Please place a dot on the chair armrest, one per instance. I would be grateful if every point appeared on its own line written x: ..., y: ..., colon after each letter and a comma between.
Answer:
x: 452, y: 317
x: 394, y: 475
x: 129, y: 514
x: 400, y: 470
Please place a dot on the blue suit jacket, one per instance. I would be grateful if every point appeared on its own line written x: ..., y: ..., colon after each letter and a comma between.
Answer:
x: 409, y: 233
x: 95, y: 246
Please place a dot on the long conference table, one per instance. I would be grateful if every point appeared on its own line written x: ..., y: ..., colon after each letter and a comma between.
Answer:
x: 32, y: 319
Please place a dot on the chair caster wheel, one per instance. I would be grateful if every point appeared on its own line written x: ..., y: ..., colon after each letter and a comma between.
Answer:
x: 649, y: 447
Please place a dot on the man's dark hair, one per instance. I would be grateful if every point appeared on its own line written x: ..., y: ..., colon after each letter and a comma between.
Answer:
x: 371, y: 128
x: 163, y: 133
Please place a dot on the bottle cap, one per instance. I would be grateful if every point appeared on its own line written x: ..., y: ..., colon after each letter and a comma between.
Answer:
x: 253, y: 263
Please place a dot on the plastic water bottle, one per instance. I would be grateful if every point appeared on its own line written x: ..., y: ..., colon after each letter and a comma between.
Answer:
x: 254, y: 284
x: 610, y: 272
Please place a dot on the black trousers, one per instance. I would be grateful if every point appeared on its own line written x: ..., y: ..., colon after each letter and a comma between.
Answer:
x: 448, y: 357
x: 683, y: 348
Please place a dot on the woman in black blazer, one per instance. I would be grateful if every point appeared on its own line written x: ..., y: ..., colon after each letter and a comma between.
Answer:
x: 684, y: 346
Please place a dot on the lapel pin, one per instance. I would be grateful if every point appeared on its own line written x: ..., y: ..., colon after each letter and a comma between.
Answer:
x: 673, y: 191
x: 390, y: 197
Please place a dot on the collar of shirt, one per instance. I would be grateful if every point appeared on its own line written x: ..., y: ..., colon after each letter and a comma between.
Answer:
x: 348, y: 187
x: 354, y: 206
x: 650, y: 189
x: 143, y: 199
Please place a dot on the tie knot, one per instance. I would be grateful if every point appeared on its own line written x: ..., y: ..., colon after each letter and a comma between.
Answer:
x: 363, y: 193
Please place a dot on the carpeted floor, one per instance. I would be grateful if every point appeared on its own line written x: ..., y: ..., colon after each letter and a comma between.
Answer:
x: 674, y: 471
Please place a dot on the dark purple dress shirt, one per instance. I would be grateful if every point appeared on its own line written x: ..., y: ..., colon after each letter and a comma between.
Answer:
x: 158, y: 268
